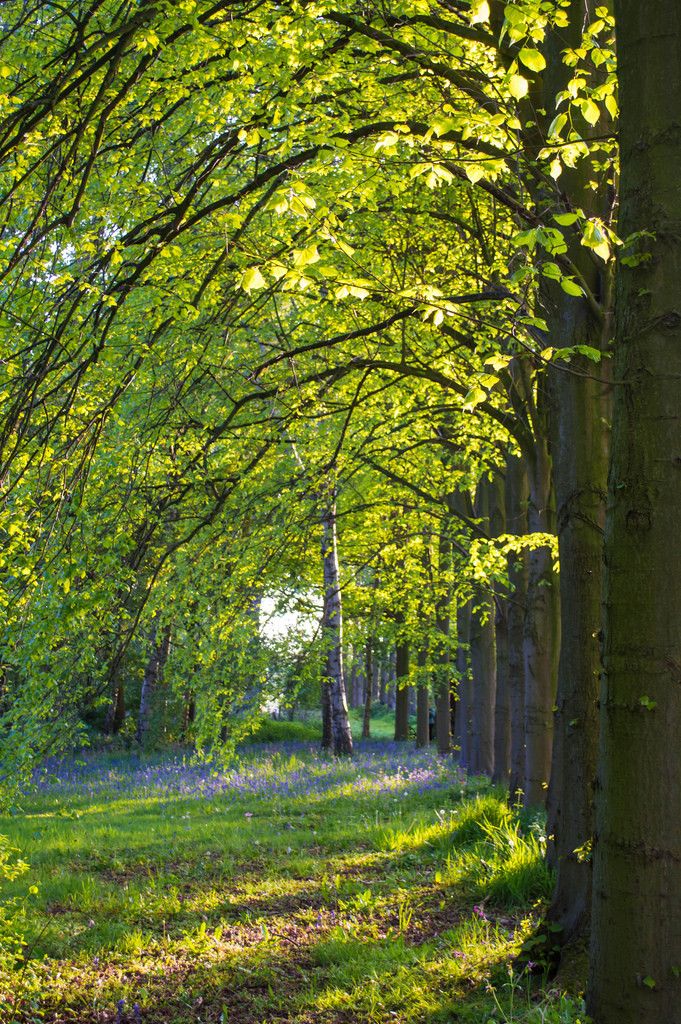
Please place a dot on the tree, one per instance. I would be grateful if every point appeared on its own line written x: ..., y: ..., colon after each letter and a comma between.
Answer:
x: 636, y: 943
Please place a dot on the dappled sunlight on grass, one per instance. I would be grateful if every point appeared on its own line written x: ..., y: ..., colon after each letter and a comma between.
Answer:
x: 340, y: 891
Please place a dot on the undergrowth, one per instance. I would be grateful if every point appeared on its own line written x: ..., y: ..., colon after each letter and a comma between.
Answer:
x: 389, y: 889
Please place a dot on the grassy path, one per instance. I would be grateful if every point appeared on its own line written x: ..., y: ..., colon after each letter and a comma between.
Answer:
x: 291, y: 888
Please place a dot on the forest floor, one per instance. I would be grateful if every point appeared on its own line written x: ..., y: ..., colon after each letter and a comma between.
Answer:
x: 289, y: 888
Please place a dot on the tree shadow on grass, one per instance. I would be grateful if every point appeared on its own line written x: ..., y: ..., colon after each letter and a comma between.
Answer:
x: 334, y: 931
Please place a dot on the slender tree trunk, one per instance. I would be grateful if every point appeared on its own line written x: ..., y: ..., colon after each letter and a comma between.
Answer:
x: 115, y: 714
x: 483, y: 660
x: 541, y: 640
x: 636, y: 929
x: 327, y: 728
x: 516, y: 519
x: 369, y: 671
x: 465, y: 683
x: 502, y: 708
x: 402, y: 691
x: 158, y: 655
x: 188, y: 715
x: 422, y: 700
x: 341, y: 736
x: 442, y: 677
x: 383, y: 682
x: 483, y: 669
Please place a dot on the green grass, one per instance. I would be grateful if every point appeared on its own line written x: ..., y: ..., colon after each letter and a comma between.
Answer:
x: 311, y: 909
x: 270, y: 730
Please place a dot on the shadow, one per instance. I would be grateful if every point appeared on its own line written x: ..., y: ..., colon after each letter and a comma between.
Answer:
x: 205, y: 925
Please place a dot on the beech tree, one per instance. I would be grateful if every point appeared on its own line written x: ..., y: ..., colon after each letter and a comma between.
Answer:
x: 636, y: 937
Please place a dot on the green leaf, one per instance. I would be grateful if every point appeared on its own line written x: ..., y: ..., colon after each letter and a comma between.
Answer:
x: 594, y: 237
x: 474, y: 397
x: 571, y: 287
x: 303, y: 257
x: 518, y: 86
x: 590, y: 111
x: 252, y: 279
x: 532, y: 59
x: 565, y: 219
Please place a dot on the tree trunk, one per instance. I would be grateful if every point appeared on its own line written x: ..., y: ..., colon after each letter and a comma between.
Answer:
x: 369, y: 671
x: 341, y: 736
x: 158, y: 655
x: 502, y: 709
x: 115, y: 714
x: 635, y: 975
x: 442, y: 678
x: 541, y: 636
x: 502, y: 706
x: 422, y: 700
x: 516, y: 521
x: 483, y: 659
x: 465, y: 683
x: 402, y: 691
x: 383, y: 682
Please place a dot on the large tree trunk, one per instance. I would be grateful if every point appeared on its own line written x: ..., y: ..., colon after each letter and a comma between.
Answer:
x: 516, y: 521
x: 341, y: 736
x: 636, y: 930
x: 580, y: 417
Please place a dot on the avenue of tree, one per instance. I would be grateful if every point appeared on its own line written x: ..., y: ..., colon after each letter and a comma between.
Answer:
x: 374, y: 314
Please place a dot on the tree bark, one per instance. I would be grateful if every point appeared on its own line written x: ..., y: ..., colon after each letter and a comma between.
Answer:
x: 541, y: 635
x: 502, y: 707
x: 465, y: 683
x: 442, y: 676
x: 635, y: 975
x: 422, y: 700
x: 402, y: 691
x: 483, y: 659
x: 579, y: 421
x: 341, y: 736
x: 516, y: 521
x: 369, y: 672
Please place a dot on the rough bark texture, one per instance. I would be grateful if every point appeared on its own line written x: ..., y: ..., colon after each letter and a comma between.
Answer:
x: 516, y: 523
x: 636, y: 937
x: 580, y: 415
x: 341, y: 736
